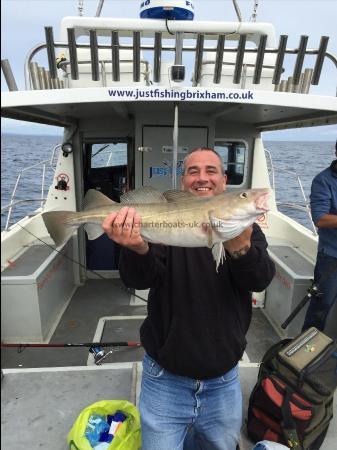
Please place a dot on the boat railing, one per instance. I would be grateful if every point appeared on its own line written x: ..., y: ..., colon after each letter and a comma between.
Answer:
x: 212, y: 57
x: 46, y: 163
x: 303, y: 207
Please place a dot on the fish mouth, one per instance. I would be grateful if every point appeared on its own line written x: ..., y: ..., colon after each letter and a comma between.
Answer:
x: 261, y: 203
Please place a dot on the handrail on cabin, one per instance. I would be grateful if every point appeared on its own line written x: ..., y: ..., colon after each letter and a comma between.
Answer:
x: 199, y: 49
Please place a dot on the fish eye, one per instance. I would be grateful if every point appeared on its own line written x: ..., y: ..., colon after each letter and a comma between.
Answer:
x: 243, y: 195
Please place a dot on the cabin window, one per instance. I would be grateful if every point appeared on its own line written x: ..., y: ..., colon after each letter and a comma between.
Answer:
x: 233, y: 155
x: 106, y: 167
x: 109, y: 155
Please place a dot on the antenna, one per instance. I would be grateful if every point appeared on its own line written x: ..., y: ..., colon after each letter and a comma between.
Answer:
x: 80, y: 7
x: 99, y: 8
x: 237, y: 10
x: 254, y: 13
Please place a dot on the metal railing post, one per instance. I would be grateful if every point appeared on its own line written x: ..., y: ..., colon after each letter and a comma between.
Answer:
x: 42, y: 182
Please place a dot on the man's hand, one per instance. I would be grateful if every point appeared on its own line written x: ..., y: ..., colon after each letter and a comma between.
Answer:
x: 240, y: 244
x: 327, y: 221
x: 123, y: 227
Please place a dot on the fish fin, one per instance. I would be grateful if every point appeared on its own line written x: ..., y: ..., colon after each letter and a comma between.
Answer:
x: 219, y: 254
x: 174, y: 195
x: 227, y: 229
x: 95, y: 199
x: 145, y: 194
x: 94, y: 230
x: 56, y: 224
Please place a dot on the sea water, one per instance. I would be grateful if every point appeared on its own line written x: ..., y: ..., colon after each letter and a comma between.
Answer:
x: 289, y: 160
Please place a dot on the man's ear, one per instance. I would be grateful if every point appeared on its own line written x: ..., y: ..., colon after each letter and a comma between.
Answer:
x: 224, y: 182
x: 182, y: 183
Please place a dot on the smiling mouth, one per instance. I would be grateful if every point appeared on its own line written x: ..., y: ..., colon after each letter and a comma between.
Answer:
x: 203, y: 189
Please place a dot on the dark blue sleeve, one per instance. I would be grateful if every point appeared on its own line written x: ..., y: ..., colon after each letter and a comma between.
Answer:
x: 320, y: 198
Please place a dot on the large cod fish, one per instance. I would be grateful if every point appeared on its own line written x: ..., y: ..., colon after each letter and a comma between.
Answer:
x: 175, y: 218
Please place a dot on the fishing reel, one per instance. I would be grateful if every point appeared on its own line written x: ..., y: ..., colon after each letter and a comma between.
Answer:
x: 313, y: 290
x: 99, y: 354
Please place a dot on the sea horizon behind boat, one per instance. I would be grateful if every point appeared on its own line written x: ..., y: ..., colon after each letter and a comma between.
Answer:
x: 285, y: 155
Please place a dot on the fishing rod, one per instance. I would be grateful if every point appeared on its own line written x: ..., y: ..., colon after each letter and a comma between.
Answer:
x: 78, y: 344
x: 95, y: 348
x: 124, y: 288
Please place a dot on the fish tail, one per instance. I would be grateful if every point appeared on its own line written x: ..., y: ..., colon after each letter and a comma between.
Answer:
x: 59, y: 226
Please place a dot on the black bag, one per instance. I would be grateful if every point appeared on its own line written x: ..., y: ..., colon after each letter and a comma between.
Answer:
x: 292, y: 400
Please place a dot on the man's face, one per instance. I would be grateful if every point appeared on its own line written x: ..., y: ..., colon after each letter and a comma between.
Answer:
x: 203, y: 174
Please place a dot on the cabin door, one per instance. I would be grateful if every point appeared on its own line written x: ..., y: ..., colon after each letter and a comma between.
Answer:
x: 157, y: 153
x: 106, y: 171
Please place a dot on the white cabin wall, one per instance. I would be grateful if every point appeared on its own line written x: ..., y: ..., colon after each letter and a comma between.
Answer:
x: 107, y: 126
x: 260, y: 175
x: 64, y: 200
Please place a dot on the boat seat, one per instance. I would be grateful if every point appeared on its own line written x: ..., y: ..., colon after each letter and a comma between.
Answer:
x: 227, y: 73
x: 105, y: 70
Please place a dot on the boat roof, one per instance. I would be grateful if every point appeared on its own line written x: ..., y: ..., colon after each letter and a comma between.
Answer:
x: 265, y: 110
x: 129, y: 74
x: 83, y: 25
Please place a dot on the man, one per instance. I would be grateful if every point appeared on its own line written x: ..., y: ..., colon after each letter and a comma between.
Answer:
x: 323, y: 202
x: 194, y: 334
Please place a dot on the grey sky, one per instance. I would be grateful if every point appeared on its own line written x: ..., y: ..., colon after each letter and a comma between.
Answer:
x: 23, y: 24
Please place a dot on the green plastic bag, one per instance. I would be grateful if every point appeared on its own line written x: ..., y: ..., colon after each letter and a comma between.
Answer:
x: 128, y: 436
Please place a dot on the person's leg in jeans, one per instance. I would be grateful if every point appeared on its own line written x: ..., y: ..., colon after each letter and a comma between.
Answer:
x: 170, y: 405
x: 165, y: 408
x: 320, y: 305
x: 218, y: 423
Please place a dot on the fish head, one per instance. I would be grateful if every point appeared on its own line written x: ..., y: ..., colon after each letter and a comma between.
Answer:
x: 235, y: 211
x: 251, y: 202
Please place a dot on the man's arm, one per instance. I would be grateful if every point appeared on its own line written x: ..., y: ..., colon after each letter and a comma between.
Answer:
x: 140, y: 266
x: 254, y: 270
x: 320, y: 202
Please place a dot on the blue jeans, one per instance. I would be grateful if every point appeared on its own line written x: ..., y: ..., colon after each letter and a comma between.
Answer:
x: 326, y: 278
x: 208, y: 413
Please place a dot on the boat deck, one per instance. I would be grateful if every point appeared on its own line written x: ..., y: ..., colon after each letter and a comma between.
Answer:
x: 106, y: 300
x: 44, y: 389
x: 60, y: 394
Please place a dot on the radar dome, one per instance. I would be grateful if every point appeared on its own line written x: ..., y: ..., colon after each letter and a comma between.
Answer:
x: 169, y: 9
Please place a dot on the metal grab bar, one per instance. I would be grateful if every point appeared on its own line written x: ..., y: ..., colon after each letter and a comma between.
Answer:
x: 292, y: 206
x: 12, y: 203
x: 306, y: 207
